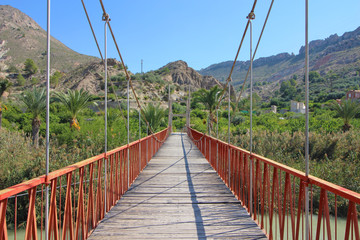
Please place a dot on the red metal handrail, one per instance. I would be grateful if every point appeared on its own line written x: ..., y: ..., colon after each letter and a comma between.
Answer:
x: 278, y: 193
x: 84, y: 189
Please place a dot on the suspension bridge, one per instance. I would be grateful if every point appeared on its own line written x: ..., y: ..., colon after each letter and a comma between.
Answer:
x: 178, y: 185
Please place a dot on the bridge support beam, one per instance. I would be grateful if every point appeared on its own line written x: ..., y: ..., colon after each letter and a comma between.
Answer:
x: 188, y: 109
x: 170, y: 111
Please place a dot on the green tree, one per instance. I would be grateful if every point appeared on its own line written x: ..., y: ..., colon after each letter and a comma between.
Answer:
x: 347, y: 110
x: 209, y: 98
x: 288, y: 89
x: 75, y: 101
x: 244, y: 104
x: 54, y: 79
x: 21, y: 80
x: 4, y: 85
x: 30, y: 66
x: 313, y: 76
x: 330, y: 79
x: 35, y: 102
x: 155, y: 115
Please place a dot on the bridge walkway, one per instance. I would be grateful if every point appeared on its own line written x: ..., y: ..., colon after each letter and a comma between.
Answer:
x: 178, y: 196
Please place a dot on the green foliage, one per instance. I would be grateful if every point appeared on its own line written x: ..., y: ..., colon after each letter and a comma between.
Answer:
x: 75, y: 101
x: 288, y: 90
x: 198, y: 113
x: 30, y: 66
x: 244, y: 104
x: 155, y: 115
x: 314, y: 76
x: 21, y: 80
x: 151, y: 77
x: 163, y: 71
x: 334, y: 157
x: 25, y: 162
x: 237, y: 119
x: 209, y: 98
x: 34, y: 80
x: 34, y: 101
x: 12, y: 69
x: 4, y: 85
x: 347, y: 110
x: 54, y: 79
x: 118, y: 78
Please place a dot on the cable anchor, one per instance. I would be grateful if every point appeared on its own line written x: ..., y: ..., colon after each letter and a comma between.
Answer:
x: 251, y: 16
x: 106, y: 17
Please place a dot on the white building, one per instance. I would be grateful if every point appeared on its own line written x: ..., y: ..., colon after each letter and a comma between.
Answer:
x: 297, y: 107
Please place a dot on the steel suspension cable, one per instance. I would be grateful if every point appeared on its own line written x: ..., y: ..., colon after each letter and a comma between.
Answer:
x: 307, y: 226
x: 48, y: 49
x: 257, y: 45
x: 102, y: 59
x: 127, y: 75
x: 237, y: 55
x: 92, y: 29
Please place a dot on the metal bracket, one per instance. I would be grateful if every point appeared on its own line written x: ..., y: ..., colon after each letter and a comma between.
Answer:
x: 106, y: 17
x: 251, y: 16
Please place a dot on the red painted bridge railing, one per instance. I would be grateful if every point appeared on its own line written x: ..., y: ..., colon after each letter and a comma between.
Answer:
x: 278, y: 194
x: 77, y: 198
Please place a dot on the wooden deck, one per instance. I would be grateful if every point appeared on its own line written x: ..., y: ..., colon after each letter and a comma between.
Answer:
x: 178, y: 197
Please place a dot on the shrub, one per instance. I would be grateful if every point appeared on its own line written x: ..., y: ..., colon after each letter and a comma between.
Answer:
x: 21, y: 80
x: 54, y: 79
x: 30, y: 66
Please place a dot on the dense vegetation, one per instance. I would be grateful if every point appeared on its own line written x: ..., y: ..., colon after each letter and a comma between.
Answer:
x: 334, y: 137
x: 69, y: 144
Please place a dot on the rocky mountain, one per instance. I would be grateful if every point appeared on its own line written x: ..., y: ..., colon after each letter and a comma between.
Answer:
x: 21, y: 38
x: 90, y: 76
x: 181, y: 74
x: 331, y: 54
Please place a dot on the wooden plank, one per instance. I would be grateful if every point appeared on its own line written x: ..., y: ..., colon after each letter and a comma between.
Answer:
x: 178, y: 197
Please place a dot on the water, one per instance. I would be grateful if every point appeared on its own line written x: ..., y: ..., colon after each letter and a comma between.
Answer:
x: 341, y: 225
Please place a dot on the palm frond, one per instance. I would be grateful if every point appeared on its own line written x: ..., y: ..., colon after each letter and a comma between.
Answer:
x: 74, y: 100
x: 35, y: 101
x: 154, y: 115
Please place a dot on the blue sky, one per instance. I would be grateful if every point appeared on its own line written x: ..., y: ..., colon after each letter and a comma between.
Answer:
x: 200, y: 32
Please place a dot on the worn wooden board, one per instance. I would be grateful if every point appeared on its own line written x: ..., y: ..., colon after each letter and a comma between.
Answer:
x: 178, y: 197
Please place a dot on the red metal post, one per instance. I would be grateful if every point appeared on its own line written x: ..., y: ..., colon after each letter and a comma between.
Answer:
x: 31, y: 229
x: 53, y: 218
x: 3, y: 227
x: 80, y: 223
x: 68, y: 227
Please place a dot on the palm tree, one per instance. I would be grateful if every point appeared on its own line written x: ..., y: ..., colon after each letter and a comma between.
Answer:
x: 154, y: 115
x: 75, y: 101
x: 4, y: 85
x: 347, y: 110
x: 209, y: 98
x: 35, y: 102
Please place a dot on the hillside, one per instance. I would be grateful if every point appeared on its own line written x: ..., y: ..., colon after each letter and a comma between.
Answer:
x: 153, y: 85
x: 21, y: 38
x: 181, y: 74
x: 334, y: 53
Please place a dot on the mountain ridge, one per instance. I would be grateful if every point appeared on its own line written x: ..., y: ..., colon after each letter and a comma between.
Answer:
x: 330, y: 54
x: 21, y: 38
